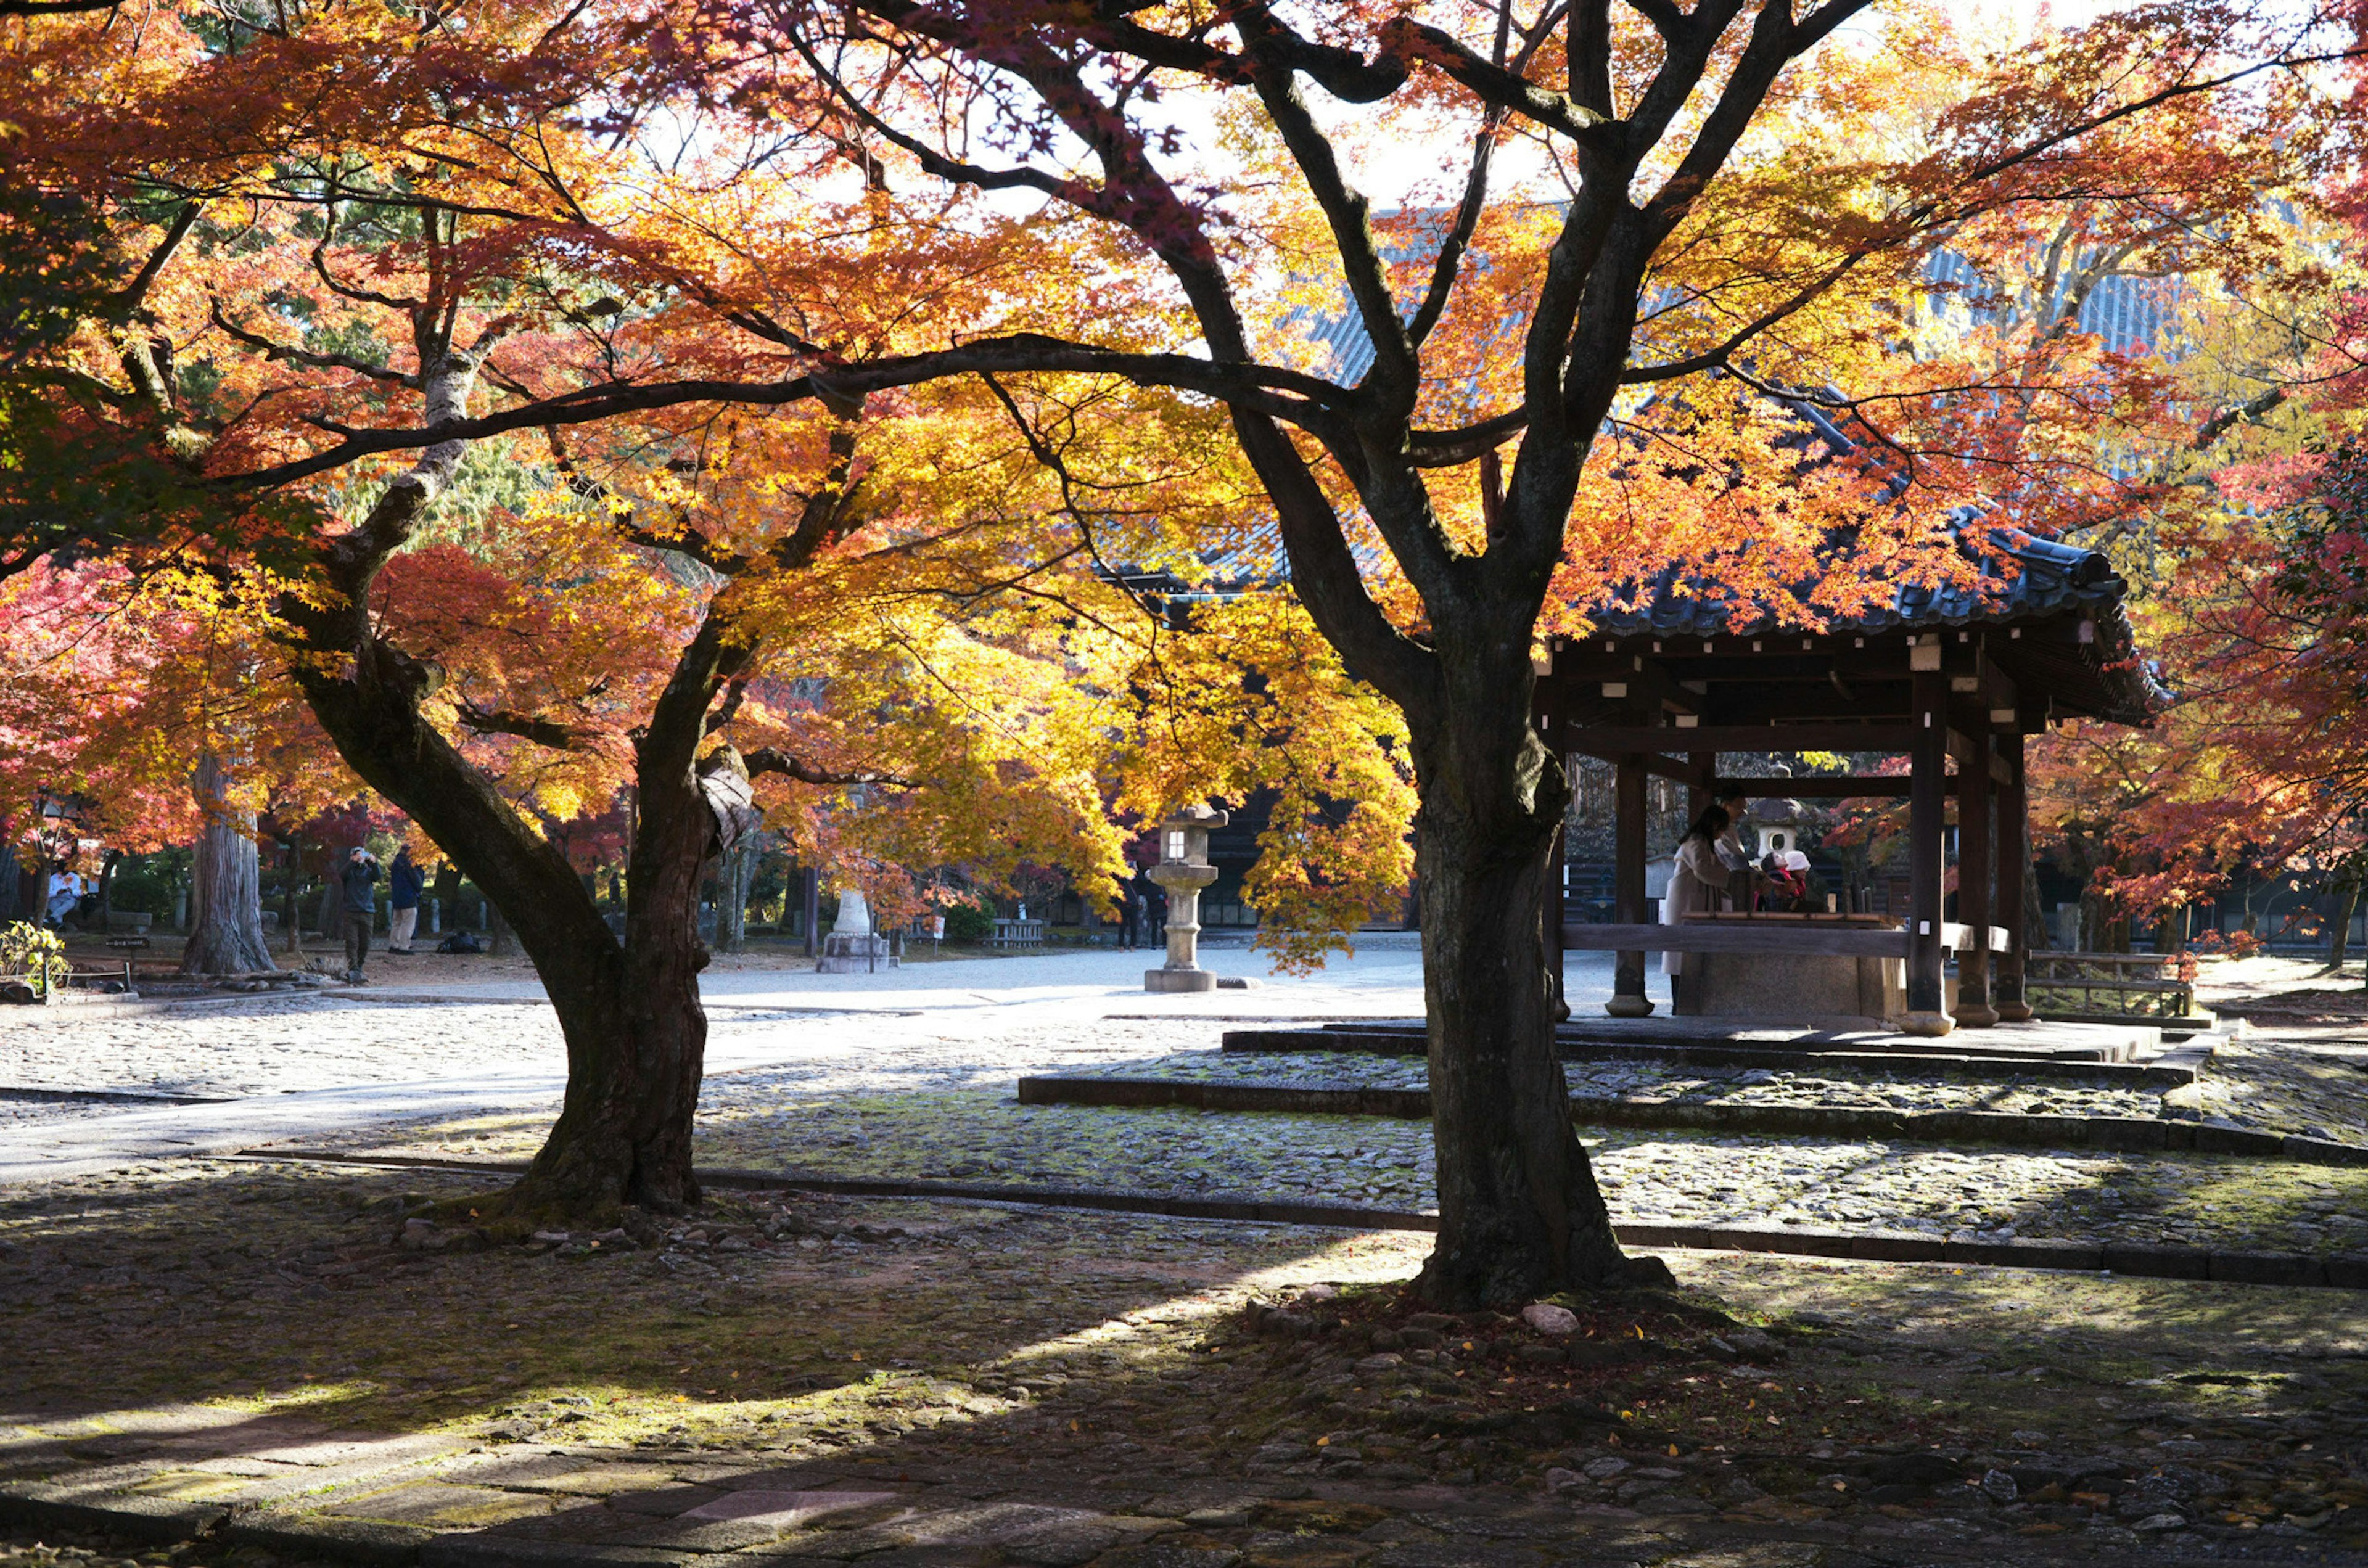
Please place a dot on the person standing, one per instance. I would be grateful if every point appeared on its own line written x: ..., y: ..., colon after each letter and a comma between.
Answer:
x: 360, y: 885
x: 405, y: 882
x: 1154, y: 913
x: 1697, y: 879
x: 1731, y: 852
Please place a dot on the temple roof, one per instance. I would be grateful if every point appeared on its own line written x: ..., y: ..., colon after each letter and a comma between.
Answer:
x: 2069, y: 633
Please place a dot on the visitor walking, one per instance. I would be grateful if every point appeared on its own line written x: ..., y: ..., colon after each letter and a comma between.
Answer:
x: 360, y: 887
x: 405, y: 882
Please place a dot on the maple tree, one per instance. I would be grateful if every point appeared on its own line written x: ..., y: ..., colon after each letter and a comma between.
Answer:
x: 293, y: 244
x: 1691, y: 236
x: 2244, y: 559
x: 684, y: 560
x: 1675, y: 226
x: 146, y: 696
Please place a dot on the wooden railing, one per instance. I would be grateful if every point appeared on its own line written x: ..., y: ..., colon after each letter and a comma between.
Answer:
x: 1018, y: 934
x: 1811, y: 934
x: 2136, y: 986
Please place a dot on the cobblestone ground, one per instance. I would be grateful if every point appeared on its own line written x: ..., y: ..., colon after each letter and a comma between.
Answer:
x: 811, y: 1382
x: 274, y: 1045
x: 296, y: 1044
x: 921, y: 1094
x: 1672, y: 1177
x: 1004, y: 1384
x: 2292, y: 1079
x: 1902, y: 1090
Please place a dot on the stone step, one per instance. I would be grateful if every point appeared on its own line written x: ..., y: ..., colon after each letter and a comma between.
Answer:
x: 1953, y: 1056
x: 2121, y: 1134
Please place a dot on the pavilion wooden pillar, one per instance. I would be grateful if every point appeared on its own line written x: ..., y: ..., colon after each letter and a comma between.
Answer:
x: 1975, y: 884
x: 1628, y: 998
x: 1928, y: 779
x: 2012, y: 903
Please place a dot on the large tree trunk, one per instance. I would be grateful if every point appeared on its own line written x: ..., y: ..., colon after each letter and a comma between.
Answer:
x: 290, y: 915
x: 629, y: 1012
x: 106, y: 887
x: 630, y: 1108
x: 2338, y: 940
x: 226, y: 934
x: 1520, y: 1213
x: 735, y: 873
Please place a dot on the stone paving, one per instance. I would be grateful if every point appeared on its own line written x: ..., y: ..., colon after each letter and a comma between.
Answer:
x: 813, y: 1382
x: 1002, y: 1384
x: 1900, y: 1089
x: 924, y: 1092
x: 1655, y: 1177
x: 2313, y: 1081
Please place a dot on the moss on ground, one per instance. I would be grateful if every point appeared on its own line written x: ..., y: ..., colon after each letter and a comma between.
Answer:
x: 1662, y: 1176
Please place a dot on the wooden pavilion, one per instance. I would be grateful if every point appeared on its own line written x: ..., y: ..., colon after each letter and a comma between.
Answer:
x: 1952, y: 679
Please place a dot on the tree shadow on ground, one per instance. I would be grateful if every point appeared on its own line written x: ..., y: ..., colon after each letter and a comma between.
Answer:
x: 1020, y: 1383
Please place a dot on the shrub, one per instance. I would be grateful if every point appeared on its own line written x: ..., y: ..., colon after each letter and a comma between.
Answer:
x: 25, y: 948
x: 968, y: 922
x: 144, y: 891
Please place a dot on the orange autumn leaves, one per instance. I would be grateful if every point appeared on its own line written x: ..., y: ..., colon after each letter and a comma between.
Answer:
x: 599, y: 201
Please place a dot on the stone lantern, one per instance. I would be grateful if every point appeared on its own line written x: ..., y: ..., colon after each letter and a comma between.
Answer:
x: 1779, y: 830
x: 1184, y: 870
x: 853, y: 946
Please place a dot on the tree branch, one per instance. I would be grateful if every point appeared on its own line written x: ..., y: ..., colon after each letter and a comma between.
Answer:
x: 1343, y: 73
x: 1346, y: 212
x: 2244, y: 412
x: 1505, y: 89
x: 293, y: 355
x: 1289, y: 395
x: 1449, y: 264
x: 548, y: 732
x: 1450, y: 448
x: 1717, y: 358
x: 128, y: 299
x: 770, y: 759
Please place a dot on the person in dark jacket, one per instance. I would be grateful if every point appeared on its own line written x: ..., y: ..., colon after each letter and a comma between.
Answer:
x: 405, y: 882
x: 360, y: 883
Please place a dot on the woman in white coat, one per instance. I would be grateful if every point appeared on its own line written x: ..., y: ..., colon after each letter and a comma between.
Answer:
x: 1696, y: 882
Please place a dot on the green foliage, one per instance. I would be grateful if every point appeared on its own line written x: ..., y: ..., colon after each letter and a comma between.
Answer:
x: 26, y: 950
x: 144, y: 891
x: 968, y: 922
